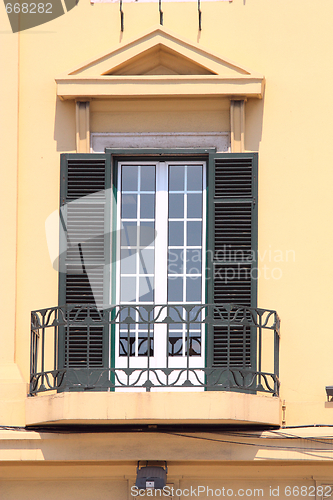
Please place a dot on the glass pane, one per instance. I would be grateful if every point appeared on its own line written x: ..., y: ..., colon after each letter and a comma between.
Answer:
x: 146, y: 261
x: 195, y: 344
x: 128, y: 261
x: 124, y: 315
x: 147, y: 178
x: 176, y: 206
x: 176, y: 233
x: 143, y: 345
x: 129, y: 234
x: 194, y: 233
x: 147, y: 233
x: 144, y: 326
x: 175, y: 289
x: 129, y: 206
x: 196, y: 318
x: 176, y: 178
x: 143, y: 317
x: 127, y: 289
x: 193, y: 289
x: 175, y: 261
x: 126, y: 343
x: 147, y: 206
x: 175, y: 344
x: 194, y: 205
x: 193, y: 261
x: 194, y: 178
x: 176, y: 313
x: 129, y: 178
x: 146, y: 289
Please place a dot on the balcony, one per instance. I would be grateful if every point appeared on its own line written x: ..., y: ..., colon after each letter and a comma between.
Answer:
x: 179, y: 363
x: 70, y: 346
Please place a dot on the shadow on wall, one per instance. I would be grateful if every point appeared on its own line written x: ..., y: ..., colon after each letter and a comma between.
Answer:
x: 64, y: 126
x: 254, y: 115
x: 108, y: 444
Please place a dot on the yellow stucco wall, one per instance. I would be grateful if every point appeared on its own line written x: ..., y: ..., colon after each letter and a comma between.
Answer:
x: 109, y: 479
x: 291, y: 127
x: 103, y: 465
x: 171, y: 115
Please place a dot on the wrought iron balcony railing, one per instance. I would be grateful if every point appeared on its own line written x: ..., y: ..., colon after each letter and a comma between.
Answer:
x: 155, y: 347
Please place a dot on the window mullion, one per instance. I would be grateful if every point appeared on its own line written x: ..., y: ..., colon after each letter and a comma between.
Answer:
x: 161, y: 226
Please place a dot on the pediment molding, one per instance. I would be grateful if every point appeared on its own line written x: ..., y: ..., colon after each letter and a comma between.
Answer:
x: 159, y: 63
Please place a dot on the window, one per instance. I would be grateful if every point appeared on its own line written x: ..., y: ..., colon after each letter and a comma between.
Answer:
x: 161, y: 213
x: 179, y: 227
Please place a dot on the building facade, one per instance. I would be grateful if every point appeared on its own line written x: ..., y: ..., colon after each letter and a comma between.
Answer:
x: 165, y: 259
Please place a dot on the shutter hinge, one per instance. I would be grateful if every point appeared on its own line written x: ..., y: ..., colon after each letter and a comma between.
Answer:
x: 254, y: 202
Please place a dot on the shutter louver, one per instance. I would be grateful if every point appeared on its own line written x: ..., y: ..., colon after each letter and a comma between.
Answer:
x: 85, y: 176
x: 85, y: 179
x: 234, y: 213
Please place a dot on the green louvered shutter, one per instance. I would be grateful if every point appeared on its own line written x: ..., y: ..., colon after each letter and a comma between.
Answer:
x: 232, y: 245
x: 84, y: 251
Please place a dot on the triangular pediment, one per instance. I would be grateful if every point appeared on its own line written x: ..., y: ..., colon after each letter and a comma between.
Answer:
x: 156, y: 58
x: 160, y: 60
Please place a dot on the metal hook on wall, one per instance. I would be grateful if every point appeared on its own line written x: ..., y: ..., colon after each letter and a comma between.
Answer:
x: 200, y: 13
x: 161, y: 12
x: 121, y: 15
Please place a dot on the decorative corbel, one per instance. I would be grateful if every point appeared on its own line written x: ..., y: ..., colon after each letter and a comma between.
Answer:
x: 237, y: 125
x: 82, y: 127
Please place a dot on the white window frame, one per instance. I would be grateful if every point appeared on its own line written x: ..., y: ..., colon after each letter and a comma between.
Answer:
x: 161, y: 267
